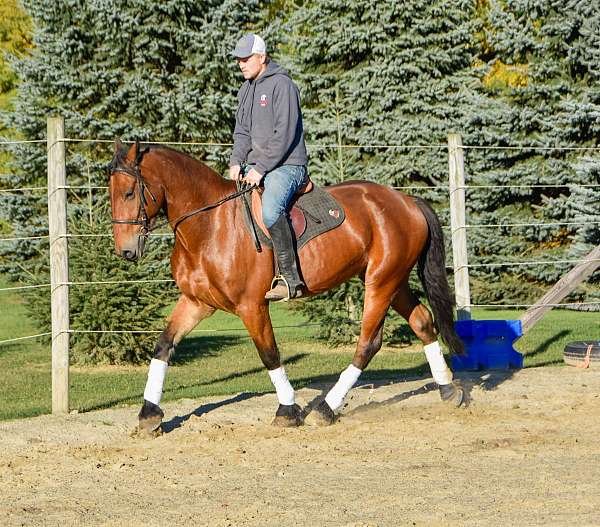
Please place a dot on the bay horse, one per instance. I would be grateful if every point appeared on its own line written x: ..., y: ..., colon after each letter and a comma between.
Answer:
x: 216, y: 266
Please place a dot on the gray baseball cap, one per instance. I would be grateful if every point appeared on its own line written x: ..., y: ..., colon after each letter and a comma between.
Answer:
x: 249, y: 45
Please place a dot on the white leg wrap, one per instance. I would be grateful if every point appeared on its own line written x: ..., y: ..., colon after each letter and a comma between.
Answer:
x: 347, y: 379
x: 156, y: 379
x: 439, y: 369
x: 285, y: 392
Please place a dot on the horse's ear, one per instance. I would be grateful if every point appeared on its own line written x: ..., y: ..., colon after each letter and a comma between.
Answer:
x: 118, y: 146
x: 135, y: 151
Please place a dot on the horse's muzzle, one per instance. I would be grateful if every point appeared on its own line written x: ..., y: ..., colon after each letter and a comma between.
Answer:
x: 129, y: 255
x: 135, y: 251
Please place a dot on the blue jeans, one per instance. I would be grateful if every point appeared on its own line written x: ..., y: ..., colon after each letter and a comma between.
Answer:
x: 280, y: 186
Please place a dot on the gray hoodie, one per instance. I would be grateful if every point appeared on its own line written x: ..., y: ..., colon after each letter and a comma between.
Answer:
x: 268, y: 122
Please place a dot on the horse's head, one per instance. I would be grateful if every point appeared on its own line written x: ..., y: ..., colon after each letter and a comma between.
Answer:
x: 133, y: 202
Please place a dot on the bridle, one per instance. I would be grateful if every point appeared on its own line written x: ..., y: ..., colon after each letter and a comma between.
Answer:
x: 134, y: 171
x: 142, y: 217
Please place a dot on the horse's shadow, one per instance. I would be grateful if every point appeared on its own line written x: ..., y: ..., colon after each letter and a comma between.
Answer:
x: 487, y: 380
x: 178, y: 420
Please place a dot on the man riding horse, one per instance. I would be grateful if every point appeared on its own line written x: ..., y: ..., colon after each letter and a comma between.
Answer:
x: 384, y: 235
x: 269, y: 143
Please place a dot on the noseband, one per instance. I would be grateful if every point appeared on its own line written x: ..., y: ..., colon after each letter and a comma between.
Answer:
x: 134, y: 171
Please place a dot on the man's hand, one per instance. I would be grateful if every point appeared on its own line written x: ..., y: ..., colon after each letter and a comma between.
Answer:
x: 235, y: 172
x: 253, y: 177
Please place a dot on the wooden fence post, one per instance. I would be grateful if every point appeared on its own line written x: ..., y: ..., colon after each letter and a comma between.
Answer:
x: 456, y: 167
x: 59, y: 264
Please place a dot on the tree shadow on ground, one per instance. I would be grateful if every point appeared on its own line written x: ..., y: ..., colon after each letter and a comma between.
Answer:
x: 191, y: 348
x: 545, y: 346
x: 172, y: 389
x: 290, y: 360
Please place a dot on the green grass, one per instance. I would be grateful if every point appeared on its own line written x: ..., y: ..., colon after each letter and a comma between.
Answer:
x: 225, y: 361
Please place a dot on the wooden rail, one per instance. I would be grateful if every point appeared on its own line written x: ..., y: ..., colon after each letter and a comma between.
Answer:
x: 561, y: 289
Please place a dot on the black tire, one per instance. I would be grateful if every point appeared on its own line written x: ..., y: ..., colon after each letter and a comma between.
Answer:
x: 575, y: 352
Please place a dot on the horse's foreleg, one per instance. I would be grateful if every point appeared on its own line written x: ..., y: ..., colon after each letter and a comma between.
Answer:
x: 420, y: 320
x: 377, y: 302
x: 185, y: 316
x: 258, y: 322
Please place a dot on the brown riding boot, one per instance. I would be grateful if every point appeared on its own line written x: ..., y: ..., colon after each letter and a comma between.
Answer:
x: 288, y: 284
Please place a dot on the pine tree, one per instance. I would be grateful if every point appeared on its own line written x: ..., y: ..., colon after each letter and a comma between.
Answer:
x: 15, y: 41
x: 383, y: 73
x: 134, y: 69
x: 542, y: 72
x: 380, y: 73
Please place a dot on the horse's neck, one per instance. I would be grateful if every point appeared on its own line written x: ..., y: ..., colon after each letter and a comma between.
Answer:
x: 190, y: 185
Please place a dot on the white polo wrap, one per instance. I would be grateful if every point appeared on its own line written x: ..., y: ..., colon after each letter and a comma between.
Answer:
x: 285, y: 392
x: 156, y: 379
x: 439, y: 369
x: 338, y: 393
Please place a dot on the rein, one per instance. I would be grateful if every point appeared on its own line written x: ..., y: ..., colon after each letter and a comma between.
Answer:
x: 203, y: 209
x: 142, y: 217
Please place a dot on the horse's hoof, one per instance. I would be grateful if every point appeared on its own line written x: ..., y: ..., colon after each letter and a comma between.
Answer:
x: 288, y: 416
x: 150, y: 417
x: 321, y: 415
x: 453, y: 394
x: 146, y: 433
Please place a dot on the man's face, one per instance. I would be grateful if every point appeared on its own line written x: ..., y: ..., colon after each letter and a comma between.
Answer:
x: 251, y: 66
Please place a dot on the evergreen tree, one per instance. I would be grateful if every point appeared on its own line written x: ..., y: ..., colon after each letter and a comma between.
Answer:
x: 542, y: 72
x: 135, y: 69
x: 384, y: 73
x: 381, y: 73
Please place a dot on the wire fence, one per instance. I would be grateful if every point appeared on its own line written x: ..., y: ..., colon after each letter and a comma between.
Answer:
x: 334, y: 146
x: 501, y: 224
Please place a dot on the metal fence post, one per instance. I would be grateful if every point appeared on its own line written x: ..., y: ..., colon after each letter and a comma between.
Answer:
x: 456, y: 167
x: 59, y: 264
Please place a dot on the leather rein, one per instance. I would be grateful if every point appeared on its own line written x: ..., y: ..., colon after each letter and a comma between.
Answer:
x: 142, y: 218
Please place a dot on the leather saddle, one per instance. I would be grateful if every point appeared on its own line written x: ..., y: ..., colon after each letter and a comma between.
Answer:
x: 314, y: 211
x: 297, y: 214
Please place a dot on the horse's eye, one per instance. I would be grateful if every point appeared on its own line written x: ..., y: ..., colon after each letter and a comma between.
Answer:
x: 129, y: 194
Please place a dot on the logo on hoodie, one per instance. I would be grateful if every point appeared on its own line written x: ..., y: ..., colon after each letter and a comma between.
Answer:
x: 263, y: 100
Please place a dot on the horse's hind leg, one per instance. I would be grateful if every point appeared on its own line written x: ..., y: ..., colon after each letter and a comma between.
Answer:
x: 377, y: 302
x: 257, y: 320
x: 420, y: 320
x: 185, y: 316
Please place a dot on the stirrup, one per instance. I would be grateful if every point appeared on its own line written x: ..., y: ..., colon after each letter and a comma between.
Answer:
x: 280, y: 278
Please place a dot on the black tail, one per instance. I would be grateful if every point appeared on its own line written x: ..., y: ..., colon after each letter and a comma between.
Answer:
x: 432, y: 273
